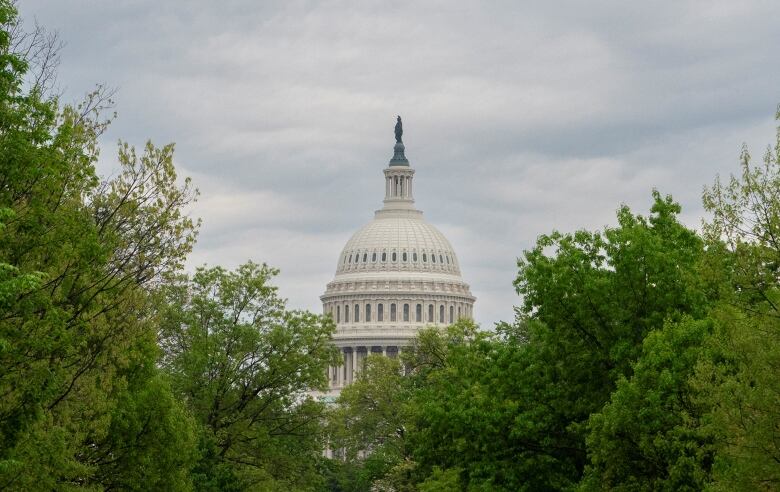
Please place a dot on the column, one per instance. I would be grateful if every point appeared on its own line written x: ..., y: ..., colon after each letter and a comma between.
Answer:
x: 384, y: 350
x: 340, y: 372
x: 354, y: 362
x: 348, y: 367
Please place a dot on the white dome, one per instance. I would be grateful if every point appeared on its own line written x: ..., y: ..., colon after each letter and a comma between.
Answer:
x: 396, y: 275
x: 398, y: 240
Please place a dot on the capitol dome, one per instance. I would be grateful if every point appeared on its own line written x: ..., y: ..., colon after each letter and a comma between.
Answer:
x: 396, y: 275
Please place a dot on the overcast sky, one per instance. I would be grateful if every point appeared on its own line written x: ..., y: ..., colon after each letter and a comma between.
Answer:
x: 519, y: 118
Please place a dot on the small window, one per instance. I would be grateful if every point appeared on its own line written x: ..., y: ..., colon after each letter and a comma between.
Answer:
x: 394, y: 256
x: 425, y: 258
x: 430, y: 313
x: 350, y: 258
x: 345, y: 260
x: 403, y: 257
x: 418, y: 313
x: 441, y: 313
x: 357, y: 313
x: 433, y: 258
x: 368, y: 313
x: 384, y: 256
x: 448, y: 259
x: 441, y: 260
x: 414, y: 256
x: 406, y: 312
x: 338, y: 314
x: 365, y: 257
x: 380, y: 312
x: 392, y: 312
x: 346, y: 314
x: 452, y: 314
x: 373, y: 257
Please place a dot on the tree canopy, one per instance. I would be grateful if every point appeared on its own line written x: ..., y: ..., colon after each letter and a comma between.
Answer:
x: 643, y: 356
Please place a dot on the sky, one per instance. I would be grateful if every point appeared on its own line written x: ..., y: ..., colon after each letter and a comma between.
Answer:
x: 519, y: 117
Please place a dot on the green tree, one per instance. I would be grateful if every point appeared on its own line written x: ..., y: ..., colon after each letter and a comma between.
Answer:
x: 243, y: 364
x: 589, y: 300
x: 742, y: 386
x: 366, y: 427
x: 83, y: 405
x: 650, y: 434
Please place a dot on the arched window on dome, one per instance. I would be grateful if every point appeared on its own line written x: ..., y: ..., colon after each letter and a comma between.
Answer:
x: 418, y: 313
x: 441, y: 260
x: 350, y: 259
x: 441, y: 313
x: 414, y: 256
x: 368, y: 313
x: 433, y: 257
x: 373, y: 257
x: 448, y: 259
x: 345, y: 260
x: 425, y: 258
x: 357, y: 313
x: 394, y: 256
x: 403, y: 257
x: 338, y: 314
x: 392, y: 312
x: 365, y: 257
x: 430, y: 313
x: 380, y: 312
x: 346, y: 314
x: 384, y: 256
x: 406, y: 312
x: 452, y: 314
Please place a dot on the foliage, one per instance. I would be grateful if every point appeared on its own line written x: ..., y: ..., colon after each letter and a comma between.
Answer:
x: 593, y: 298
x: 742, y: 387
x: 366, y: 425
x: 649, y: 436
x: 83, y: 405
x: 243, y: 365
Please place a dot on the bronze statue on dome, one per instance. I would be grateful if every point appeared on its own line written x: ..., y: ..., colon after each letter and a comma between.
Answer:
x: 399, y: 130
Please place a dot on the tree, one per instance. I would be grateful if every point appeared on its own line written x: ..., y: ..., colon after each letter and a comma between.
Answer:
x: 366, y: 426
x: 742, y: 386
x: 244, y: 364
x: 650, y: 436
x: 589, y: 300
x: 83, y: 405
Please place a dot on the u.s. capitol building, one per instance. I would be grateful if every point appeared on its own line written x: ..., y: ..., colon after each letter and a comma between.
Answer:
x: 395, y: 275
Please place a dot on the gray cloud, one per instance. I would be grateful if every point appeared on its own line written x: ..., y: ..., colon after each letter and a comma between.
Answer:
x: 520, y: 117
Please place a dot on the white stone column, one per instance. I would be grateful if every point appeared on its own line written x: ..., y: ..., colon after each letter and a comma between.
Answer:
x: 384, y: 350
x: 340, y: 372
x: 354, y: 362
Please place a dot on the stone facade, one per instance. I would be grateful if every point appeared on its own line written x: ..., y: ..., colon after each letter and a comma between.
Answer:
x: 396, y: 274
